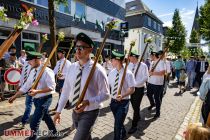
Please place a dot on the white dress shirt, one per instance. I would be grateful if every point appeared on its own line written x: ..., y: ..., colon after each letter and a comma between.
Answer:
x: 156, y: 79
x: 23, y: 72
x: 22, y: 60
x: 65, y: 68
x: 129, y: 81
x: 108, y: 67
x: 97, y: 91
x: 47, y: 81
x: 142, y: 74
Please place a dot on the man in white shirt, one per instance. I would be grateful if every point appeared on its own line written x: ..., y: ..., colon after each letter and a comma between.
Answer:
x: 22, y: 58
x: 98, y: 90
x: 155, y: 83
x: 141, y: 76
x: 61, y: 73
x: 107, y: 65
x: 120, y: 102
x: 42, y: 94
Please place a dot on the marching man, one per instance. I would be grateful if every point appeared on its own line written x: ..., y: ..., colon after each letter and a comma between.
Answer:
x: 120, y: 103
x: 141, y: 77
x: 61, y: 73
x: 42, y: 95
x: 85, y: 116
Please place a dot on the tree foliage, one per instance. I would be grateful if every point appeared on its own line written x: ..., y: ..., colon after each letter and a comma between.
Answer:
x: 177, y: 33
x: 194, y: 37
x: 204, y: 20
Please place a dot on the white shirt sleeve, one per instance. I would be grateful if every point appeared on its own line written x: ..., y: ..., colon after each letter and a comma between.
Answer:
x: 50, y: 80
x: 64, y: 95
x: 103, y: 87
x: 142, y: 75
x: 131, y: 80
x: 56, y: 68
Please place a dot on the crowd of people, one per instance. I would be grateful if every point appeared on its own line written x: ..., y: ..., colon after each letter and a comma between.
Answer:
x: 69, y: 78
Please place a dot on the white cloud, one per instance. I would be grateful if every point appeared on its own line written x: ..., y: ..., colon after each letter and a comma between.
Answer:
x: 168, y: 23
x: 165, y: 15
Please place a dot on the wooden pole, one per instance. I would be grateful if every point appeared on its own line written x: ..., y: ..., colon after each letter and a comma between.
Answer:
x: 208, y: 121
x: 81, y: 98
x: 141, y: 58
x: 35, y: 84
x: 72, y: 44
x: 126, y: 66
x: 161, y: 57
x: 9, y: 41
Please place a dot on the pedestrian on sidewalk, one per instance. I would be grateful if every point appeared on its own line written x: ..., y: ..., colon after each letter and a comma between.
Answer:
x: 42, y: 95
x: 84, y: 116
x: 182, y: 80
x: 178, y: 65
x: 120, y: 103
x: 140, y: 79
x: 190, y: 68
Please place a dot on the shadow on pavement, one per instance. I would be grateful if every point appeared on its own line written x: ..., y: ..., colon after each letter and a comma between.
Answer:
x: 8, y: 125
x: 9, y: 113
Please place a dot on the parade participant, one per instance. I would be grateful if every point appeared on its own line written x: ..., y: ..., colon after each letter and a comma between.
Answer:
x: 182, y: 79
x: 107, y: 64
x: 85, y: 116
x: 200, y: 69
x: 140, y: 78
x: 120, y: 103
x: 42, y: 95
x: 44, y: 59
x: 29, y: 100
x: 61, y: 74
x: 167, y: 71
x: 22, y: 58
x: 155, y: 83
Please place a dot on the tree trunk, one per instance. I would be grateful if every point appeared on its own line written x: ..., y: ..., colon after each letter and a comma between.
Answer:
x: 52, y: 24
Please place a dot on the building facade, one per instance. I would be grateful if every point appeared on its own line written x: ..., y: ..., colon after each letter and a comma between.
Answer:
x: 86, y: 16
x: 143, y: 22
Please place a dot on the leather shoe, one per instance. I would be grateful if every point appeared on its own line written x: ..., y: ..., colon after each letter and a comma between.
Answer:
x: 156, y: 116
x: 150, y: 107
x: 132, y: 130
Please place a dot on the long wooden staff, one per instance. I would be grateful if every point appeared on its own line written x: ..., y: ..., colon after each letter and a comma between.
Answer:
x: 110, y: 26
x: 60, y: 72
x: 161, y: 57
x: 35, y: 84
x: 9, y: 41
x: 142, y: 56
x: 126, y: 66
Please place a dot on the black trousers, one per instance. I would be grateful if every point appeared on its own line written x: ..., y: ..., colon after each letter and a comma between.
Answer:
x: 199, y: 77
x: 136, y: 99
x: 154, y: 94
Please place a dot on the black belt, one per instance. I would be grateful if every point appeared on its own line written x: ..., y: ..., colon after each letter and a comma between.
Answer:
x: 44, y: 97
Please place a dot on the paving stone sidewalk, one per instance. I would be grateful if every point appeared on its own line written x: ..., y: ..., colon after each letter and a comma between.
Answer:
x: 175, y: 109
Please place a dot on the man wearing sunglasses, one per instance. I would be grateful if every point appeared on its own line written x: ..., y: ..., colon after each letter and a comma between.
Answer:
x: 97, y: 91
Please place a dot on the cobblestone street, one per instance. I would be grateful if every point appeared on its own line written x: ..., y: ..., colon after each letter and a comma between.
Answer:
x: 176, y: 112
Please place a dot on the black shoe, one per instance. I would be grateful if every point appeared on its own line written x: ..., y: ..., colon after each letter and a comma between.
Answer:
x: 156, y: 116
x: 150, y: 107
x: 132, y: 130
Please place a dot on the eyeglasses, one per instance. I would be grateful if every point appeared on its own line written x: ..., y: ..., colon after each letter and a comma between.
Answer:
x: 81, y: 48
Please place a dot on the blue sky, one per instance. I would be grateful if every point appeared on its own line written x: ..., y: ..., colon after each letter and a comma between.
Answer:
x: 164, y: 9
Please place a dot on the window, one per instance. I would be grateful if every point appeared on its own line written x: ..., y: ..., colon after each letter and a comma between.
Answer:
x: 154, y: 25
x: 158, y: 27
x: 65, y: 8
x: 29, y: 1
x: 149, y: 21
x: 43, y: 3
x: 30, y: 36
x: 132, y: 7
x: 80, y: 9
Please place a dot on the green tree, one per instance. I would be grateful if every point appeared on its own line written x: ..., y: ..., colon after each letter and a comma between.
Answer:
x: 52, y: 23
x: 194, y: 37
x: 185, y: 52
x: 177, y: 33
x: 204, y: 20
